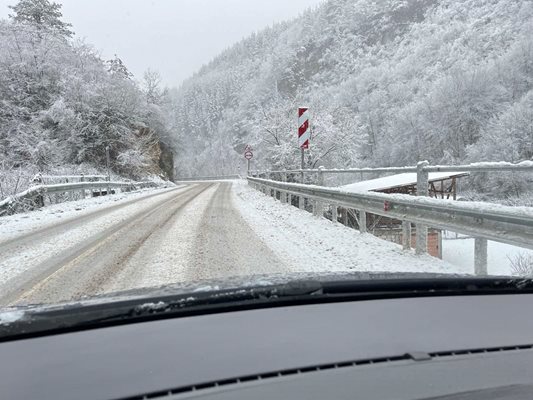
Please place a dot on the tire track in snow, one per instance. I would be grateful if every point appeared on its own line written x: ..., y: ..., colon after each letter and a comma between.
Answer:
x: 14, y: 243
x: 102, y: 242
x: 169, y: 253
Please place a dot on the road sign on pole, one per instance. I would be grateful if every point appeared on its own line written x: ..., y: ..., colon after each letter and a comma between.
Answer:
x: 304, y: 132
x: 248, y: 155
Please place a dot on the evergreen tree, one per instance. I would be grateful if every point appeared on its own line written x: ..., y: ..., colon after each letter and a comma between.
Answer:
x: 41, y: 14
x: 117, y: 68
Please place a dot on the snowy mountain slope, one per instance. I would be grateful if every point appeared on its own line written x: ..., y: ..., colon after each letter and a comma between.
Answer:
x: 388, y: 83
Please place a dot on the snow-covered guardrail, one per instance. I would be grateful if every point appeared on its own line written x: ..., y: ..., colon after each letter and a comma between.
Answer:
x: 80, y: 178
x: 484, y: 221
x: 35, y: 192
x: 475, y: 167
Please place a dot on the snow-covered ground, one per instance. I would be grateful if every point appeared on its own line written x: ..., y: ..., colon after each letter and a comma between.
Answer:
x: 23, y: 223
x: 309, y: 243
x: 201, y: 231
x: 29, y: 238
x: 460, y: 251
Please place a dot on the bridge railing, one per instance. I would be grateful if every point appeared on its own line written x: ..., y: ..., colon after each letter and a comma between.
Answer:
x: 423, y: 166
x: 317, y: 175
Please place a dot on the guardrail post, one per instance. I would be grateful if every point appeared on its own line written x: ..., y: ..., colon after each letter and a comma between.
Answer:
x: 480, y: 256
x: 82, y: 192
x: 344, y: 216
x: 334, y: 213
x: 422, y: 189
x: 319, y: 206
x: 422, y: 176
x: 283, y: 195
x: 362, y: 221
x: 320, y: 178
x: 406, y: 235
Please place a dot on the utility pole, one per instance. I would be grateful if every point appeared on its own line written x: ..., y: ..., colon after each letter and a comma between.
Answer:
x: 107, y: 162
x: 303, y: 163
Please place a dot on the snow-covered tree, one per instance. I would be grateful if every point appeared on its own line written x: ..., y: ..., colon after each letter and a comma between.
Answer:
x: 388, y: 83
x: 42, y: 14
x: 116, y: 67
x: 61, y: 105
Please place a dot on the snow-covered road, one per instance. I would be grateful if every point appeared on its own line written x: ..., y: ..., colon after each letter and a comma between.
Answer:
x: 197, y: 231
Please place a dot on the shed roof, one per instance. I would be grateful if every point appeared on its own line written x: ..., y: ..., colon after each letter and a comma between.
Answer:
x: 398, y: 180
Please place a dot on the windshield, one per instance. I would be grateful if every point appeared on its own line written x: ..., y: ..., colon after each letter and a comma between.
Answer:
x: 202, y: 145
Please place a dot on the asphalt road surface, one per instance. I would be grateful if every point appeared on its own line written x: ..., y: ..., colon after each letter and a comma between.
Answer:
x: 186, y: 234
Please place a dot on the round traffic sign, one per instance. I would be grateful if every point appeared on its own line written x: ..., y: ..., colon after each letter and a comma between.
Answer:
x: 248, y: 155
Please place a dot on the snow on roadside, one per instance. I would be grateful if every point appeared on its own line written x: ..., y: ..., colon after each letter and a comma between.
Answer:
x: 316, y: 244
x: 27, y: 256
x: 22, y: 223
x: 460, y: 252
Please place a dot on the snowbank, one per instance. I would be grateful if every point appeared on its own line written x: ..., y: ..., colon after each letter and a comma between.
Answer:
x: 23, y: 223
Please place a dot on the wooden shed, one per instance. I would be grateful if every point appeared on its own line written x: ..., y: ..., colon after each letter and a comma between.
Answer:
x: 442, y: 185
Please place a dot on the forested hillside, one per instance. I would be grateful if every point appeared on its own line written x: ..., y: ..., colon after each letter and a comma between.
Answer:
x: 61, y: 104
x: 388, y: 82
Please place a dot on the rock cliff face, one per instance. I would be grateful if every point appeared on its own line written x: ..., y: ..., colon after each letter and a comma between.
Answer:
x: 166, y: 161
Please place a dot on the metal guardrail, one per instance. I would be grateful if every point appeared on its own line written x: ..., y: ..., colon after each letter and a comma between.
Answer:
x: 337, y: 171
x: 208, y: 178
x: 476, y: 167
x: 40, y: 190
x: 482, y: 167
x: 79, y: 177
x: 483, y: 221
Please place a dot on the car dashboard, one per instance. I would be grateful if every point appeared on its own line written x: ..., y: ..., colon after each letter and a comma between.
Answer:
x: 404, y: 348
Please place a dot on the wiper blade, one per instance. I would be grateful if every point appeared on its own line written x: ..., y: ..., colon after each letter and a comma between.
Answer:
x: 453, y: 284
x: 78, y: 316
x: 232, y: 297
x: 81, y: 317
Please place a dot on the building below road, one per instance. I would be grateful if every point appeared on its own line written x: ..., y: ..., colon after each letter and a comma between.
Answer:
x: 442, y: 185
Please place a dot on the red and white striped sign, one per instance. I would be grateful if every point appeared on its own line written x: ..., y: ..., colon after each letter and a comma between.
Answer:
x: 304, y: 133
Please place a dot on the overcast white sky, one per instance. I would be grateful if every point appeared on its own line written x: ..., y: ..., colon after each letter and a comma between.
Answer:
x: 174, y: 37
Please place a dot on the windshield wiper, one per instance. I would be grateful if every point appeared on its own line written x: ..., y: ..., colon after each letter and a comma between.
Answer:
x: 36, y: 322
